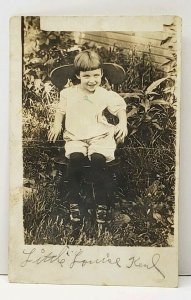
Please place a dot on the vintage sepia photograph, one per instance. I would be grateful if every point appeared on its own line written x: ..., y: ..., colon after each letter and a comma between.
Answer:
x: 99, y: 139
x: 99, y: 136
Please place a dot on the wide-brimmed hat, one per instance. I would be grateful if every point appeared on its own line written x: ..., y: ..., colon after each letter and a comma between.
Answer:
x: 114, y: 73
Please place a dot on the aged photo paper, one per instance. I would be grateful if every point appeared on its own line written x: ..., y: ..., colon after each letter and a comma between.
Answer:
x: 94, y: 150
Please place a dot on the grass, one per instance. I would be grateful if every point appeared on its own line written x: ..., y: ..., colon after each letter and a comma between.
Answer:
x: 142, y: 207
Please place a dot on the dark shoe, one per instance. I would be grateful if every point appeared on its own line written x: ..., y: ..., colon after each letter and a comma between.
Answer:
x: 101, y: 214
x: 75, y: 215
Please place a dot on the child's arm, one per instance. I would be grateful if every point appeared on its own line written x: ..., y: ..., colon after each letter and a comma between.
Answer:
x: 117, y: 106
x: 59, y: 116
x: 121, y: 130
x: 57, y: 127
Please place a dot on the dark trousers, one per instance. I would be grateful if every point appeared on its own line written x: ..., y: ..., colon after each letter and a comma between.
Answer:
x: 99, y: 175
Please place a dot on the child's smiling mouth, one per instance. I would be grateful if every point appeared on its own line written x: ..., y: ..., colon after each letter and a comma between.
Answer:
x: 91, y: 86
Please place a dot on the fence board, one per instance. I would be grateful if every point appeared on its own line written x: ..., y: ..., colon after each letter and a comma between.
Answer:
x: 156, y: 35
x: 126, y: 41
x: 142, y: 42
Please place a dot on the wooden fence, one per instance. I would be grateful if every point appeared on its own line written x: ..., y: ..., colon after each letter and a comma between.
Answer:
x: 142, y: 42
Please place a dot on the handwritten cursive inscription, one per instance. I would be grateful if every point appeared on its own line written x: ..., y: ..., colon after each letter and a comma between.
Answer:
x: 104, y: 260
x: 135, y: 262
x: 73, y: 258
x: 43, y: 257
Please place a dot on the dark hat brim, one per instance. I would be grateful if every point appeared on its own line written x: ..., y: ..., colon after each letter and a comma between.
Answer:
x: 114, y: 73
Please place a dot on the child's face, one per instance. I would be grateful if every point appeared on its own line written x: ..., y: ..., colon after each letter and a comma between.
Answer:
x: 90, y: 80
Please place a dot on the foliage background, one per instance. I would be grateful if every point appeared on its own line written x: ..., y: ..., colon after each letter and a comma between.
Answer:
x: 143, y: 209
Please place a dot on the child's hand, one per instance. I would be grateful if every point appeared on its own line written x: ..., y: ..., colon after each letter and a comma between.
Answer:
x: 120, y: 133
x: 54, y: 132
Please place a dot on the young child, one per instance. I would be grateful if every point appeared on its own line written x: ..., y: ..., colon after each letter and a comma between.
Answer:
x: 87, y: 132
